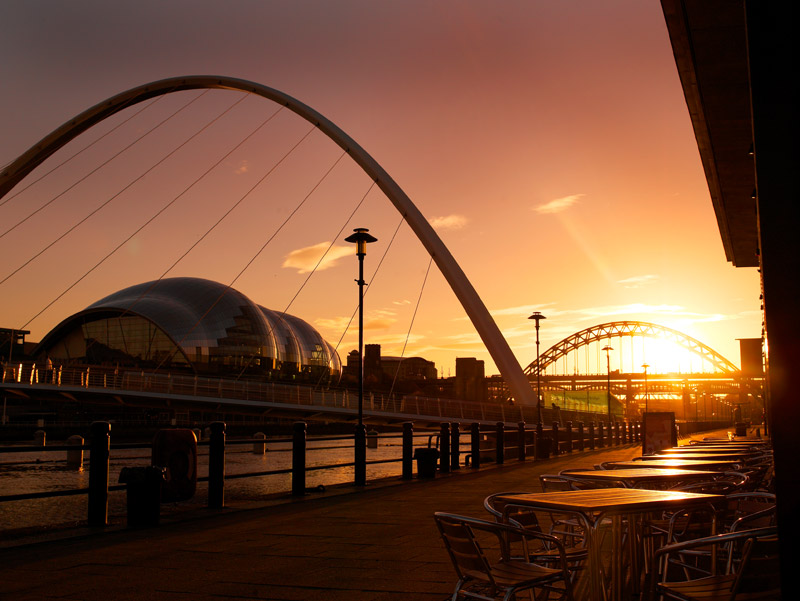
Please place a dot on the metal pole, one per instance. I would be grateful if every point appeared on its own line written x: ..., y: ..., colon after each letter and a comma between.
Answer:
x: 361, y: 431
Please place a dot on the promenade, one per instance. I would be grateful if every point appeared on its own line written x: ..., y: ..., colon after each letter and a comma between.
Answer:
x: 375, y: 544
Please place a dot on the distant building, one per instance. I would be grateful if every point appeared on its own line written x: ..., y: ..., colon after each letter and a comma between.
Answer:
x: 470, y: 379
x: 381, y: 371
x: 191, y: 325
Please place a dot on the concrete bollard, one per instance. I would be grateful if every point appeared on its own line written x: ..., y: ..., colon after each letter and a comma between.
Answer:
x: 259, y: 448
x: 39, y: 438
x: 75, y: 456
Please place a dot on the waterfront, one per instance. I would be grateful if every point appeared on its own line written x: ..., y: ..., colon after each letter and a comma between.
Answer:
x: 31, y: 472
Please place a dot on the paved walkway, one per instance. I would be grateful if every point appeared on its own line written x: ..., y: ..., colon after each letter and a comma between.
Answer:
x: 377, y: 544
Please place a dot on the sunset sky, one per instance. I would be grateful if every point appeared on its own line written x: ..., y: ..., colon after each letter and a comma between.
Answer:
x: 547, y: 142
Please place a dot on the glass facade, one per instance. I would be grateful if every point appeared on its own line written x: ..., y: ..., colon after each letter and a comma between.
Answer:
x: 191, y: 324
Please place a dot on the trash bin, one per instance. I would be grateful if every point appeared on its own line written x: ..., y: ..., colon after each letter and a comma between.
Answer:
x: 426, y: 462
x: 543, y: 446
x: 741, y: 428
x: 143, y: 494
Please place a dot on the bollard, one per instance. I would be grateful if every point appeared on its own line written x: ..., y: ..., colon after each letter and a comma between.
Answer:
x: 444, y: 448
x: 556, y: 442
x: 475, y: 445
x: 99, y: 452
x: 259, y: 448
x: 581, y: 442
x: 75, y: 456
x: 568, y: 434
x: 455, y: 446
x: 39, y: 438
x: 499, y: 443
x: 360, y: 455
x: 216, y: 466
x: 408, y: 450
x: 521, y: 441
x: 299, y: 459
x: 591, y: 436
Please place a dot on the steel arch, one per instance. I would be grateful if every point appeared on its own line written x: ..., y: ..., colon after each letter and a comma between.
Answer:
x: 629, y: 328
x: 487, y: 329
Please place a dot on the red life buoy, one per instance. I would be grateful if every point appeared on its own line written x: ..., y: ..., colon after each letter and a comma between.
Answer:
x: 176, y: 450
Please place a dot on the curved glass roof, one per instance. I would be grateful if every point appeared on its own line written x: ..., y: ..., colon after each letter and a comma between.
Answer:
x: 206, y: 324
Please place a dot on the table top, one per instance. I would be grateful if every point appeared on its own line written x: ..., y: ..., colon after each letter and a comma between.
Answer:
x: 711, y: 449
x: 654, y: 473
x: 689, y: 464
x: 611, y: 500
x: 695, y: 456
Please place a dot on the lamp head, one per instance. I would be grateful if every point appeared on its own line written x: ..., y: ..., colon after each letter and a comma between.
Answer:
x: 361, y: 238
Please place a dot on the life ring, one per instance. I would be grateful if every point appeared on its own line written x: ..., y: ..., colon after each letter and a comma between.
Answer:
x: 176, y: 450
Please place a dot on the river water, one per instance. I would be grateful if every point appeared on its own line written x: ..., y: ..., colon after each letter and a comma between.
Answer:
x: 47, y: 471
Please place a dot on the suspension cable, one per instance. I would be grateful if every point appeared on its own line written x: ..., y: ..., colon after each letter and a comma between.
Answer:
x: 84, y: 149
x: 103, y: 164
x: 150, y: 220
x: 411, y: 325
x: 120, y: 192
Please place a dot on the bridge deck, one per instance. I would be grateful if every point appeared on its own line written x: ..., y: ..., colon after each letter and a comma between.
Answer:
x: 376, y: 544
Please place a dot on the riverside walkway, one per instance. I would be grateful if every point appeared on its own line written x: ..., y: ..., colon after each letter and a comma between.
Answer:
x: 379, y: 543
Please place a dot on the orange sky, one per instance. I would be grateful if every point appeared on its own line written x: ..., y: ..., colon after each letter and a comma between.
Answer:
x: 548, y: 142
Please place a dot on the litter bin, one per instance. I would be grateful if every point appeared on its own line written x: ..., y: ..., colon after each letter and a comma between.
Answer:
x: 426, y: 462
x: 741, y: 428
x: 143, y: 485
x: 543, y: 446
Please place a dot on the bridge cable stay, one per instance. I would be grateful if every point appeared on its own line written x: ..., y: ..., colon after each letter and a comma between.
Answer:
x: 139, y: 229
x: 314, y: 270
x: 411, y: 325
x: 118, y: 194
x: 103, y: 164
x: 366, y: 292
x: 145, y: 106
x: 263, y: 246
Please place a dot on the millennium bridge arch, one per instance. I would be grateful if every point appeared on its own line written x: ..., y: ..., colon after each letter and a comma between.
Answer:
x: 617, y: 329
x: 484, y: 324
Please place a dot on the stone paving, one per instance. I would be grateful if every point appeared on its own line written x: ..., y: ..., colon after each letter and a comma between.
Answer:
x: 379, y: 543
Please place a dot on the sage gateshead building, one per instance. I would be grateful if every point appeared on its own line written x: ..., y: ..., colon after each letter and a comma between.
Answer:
x: 191, y: 325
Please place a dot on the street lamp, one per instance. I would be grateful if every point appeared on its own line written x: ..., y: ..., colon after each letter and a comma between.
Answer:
x: 538, y: 317
x: 360, y: 238
x: 608, y: 349
x: 646, y: 394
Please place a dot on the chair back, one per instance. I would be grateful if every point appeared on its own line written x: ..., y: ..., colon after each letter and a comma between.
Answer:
x: 759, y: 574
x: 465, y: 552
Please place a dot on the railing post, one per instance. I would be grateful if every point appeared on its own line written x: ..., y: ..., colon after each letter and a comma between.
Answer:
x: 360, y: 455
x: 499, y: 443
x: 617, y: 433
x: 568, y: 434
x: 216, y: 466
x: 455, y: 446
x: 475, y: 445
x: 537, y: 441
x: 299, y: 459
x: 99, y: 454
x: 600, y: 434
x: 408, y: 450
x: 591, y: 436
x: 444, y: 448
x: 521, y: 441
x: 556, y: 443
x: 639, y: 432
x: 581, y: 442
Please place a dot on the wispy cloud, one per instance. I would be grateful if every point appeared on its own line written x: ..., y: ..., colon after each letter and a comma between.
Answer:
x: 559, y: 204
x: 448, y: 222
x: 305, y: 259
x: 638, y: 281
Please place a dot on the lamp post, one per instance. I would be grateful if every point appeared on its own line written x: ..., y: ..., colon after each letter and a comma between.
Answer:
x: 646, y: 394
x: 608, y: 349
x: 538, y: 317
x: 360, y: 238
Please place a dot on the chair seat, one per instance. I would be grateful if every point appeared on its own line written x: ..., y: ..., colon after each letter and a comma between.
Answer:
x: 707, y: 589
x: 513, y: 572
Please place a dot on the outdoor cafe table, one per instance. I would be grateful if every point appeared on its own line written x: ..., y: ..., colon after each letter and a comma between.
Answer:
x: 634, y: 477
x: 711, y: 449
x: 684, y: 464
x: 697, y: 456
x: 593, y: 506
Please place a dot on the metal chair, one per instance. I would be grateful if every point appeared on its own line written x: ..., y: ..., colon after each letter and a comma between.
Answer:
x: 743, y: 565
x: 488, y: 578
